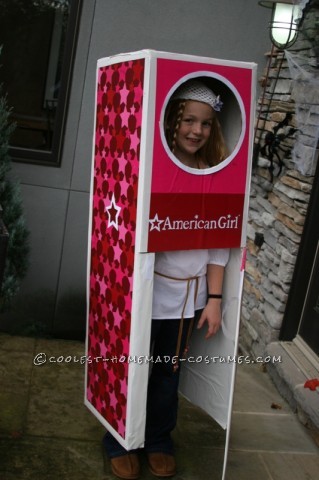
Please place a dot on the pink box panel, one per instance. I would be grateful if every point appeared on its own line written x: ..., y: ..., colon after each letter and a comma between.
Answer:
x: 179, y: 218
x: 114, y: 203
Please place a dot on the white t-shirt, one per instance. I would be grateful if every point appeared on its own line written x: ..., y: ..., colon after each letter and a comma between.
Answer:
x: 169, y: 295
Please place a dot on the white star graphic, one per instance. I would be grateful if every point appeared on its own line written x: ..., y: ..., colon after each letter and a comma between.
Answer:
x: 113, y: 212
x: 156, y: 223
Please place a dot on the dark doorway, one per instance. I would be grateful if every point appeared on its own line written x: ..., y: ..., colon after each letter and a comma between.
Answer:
x: 302, y: 312
x: 309, y: 323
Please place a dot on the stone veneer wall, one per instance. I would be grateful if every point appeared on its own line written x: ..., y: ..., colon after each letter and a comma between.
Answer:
x: 278, y: 208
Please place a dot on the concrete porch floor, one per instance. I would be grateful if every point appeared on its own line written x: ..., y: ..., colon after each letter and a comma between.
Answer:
x: 46, y: 431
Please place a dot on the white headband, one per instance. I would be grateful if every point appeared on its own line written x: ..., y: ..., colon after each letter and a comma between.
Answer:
x: 195, y: 90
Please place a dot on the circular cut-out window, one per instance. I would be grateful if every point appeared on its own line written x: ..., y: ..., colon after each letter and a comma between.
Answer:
x: 228, y: 114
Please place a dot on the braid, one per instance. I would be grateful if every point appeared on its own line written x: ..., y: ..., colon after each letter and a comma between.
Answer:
x: 179, y: 117
x: 172, y: 121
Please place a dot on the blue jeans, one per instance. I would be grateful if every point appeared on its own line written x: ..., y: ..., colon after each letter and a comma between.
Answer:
x: 162, y: 395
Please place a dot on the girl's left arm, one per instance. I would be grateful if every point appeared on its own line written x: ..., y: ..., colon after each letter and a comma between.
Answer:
x: 212, y: 312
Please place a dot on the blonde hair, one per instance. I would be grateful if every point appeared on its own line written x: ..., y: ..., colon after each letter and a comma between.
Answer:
x: 213, y: 152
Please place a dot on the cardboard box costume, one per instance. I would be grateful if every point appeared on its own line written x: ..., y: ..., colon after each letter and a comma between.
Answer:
x: 143, y: 200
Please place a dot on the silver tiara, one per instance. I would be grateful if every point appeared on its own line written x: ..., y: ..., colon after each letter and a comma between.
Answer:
x: 195, y: 90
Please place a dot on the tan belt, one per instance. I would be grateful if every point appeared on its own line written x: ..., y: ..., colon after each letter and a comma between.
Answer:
x: 190, y: 328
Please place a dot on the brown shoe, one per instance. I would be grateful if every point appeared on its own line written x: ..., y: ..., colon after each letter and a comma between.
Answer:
x: 126, y: 466
x: 161, y: 464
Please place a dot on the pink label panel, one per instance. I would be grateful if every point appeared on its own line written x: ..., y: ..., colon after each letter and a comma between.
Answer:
x: 180, y: 221
x: 116, y: 167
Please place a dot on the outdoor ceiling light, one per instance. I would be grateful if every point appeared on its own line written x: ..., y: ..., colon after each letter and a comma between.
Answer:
x: 285, y: 21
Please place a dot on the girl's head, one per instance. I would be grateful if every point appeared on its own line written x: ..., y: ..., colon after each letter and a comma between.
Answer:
x: 192, y: 128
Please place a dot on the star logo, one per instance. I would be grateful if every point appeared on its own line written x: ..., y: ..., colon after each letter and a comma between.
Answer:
x: 113, y: 212
x: 156, y: 223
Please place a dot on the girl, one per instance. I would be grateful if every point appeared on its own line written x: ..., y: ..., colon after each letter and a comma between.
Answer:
x: 187, y: 286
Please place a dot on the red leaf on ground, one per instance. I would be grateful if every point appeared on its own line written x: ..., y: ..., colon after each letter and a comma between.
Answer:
x: 312, y: 384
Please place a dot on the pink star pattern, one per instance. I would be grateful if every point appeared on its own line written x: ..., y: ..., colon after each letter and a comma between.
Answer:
x: 115, y: 188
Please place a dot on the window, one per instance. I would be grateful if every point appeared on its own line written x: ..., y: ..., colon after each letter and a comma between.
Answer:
x: 231, y: 119
x: 38, y: 39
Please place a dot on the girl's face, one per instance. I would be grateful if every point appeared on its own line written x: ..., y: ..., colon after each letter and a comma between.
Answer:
x: 194, y: 131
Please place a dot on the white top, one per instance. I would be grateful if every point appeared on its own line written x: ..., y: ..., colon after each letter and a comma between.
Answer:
x: 169, y: 295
